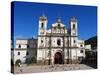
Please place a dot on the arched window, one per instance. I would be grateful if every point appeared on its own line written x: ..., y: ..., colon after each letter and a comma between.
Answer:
x: 74, y: 41
x: 41, y: 41
x: 27, y: 46
x: 81, y: 45
x: 58, y: 42
x: 73, y: 26
x: 81, y: 51
x: 18, y: 53
x: 19, y: 46
x: 58, y: 25
x: 27, y: 53
x: 42, y: 25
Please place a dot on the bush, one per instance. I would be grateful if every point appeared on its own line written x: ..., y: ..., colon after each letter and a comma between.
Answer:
x: 17, y: 62
x: 30, y: 61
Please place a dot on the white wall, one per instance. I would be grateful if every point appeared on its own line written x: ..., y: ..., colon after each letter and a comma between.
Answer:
x: 22, y: 55
x: 21, y: 42
x: 22, y: 46
x: 88, y: 47
x: 79, y: 54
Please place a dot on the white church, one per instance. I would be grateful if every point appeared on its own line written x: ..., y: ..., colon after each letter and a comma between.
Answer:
x: 56, y: 45
x: 59, y: 45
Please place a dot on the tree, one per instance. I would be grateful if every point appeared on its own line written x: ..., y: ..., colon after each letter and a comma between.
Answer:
x: 30, y: 60
x: 17, y: 62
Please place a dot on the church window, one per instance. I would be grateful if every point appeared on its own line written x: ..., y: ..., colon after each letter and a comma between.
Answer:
x: 58, y: 25
x: 18, y: 53
x: 74, y: 41
x: 58, y: 42
x: 73, y: 26
x: 81, y: 45
x: 19, y: 46
x: 27, y: 53
x: 81, y: 51
x: 27, y: 46
x: 41, y: 41
x: 42, y: 25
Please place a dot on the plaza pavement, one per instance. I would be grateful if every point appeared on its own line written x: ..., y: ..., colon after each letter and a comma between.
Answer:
x: 50, y: 68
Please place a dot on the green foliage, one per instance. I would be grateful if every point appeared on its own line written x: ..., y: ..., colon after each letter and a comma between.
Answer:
x: 17, y: 62
x: 30, y: 61
x: 92, y: 41
x: 91, y: 57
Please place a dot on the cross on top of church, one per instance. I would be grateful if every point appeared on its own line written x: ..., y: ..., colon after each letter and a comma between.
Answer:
x: 58, y: 20
x: 43, y: 17
x: 73, y: 19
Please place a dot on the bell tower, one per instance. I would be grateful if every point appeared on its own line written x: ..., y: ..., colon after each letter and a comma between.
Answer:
x: 42, y: 25
x: 73, y: 32
x: 41, y: 38
x: 73, y: 26
x: 73, y: 39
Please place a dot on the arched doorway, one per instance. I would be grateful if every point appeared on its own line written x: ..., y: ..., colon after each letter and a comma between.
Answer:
x: 58, y: 58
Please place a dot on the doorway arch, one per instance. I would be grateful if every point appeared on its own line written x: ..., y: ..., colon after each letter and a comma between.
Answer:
x: 58, y: 58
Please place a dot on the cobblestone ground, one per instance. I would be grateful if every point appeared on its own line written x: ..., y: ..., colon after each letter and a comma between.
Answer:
x: 50, y: 68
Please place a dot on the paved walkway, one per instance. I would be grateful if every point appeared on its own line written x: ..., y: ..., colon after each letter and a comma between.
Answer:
x: 50, y: 68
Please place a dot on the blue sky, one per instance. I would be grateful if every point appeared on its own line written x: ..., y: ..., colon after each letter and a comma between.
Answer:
x: 26, y: 17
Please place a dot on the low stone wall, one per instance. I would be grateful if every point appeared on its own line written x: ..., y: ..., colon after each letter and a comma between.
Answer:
x: 66, y: 61
x: 75, y: 61
x: 43, y: 62
x: 70, y: 61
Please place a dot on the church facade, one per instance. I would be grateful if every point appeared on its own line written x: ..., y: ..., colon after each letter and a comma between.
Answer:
x: 58, y: 45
